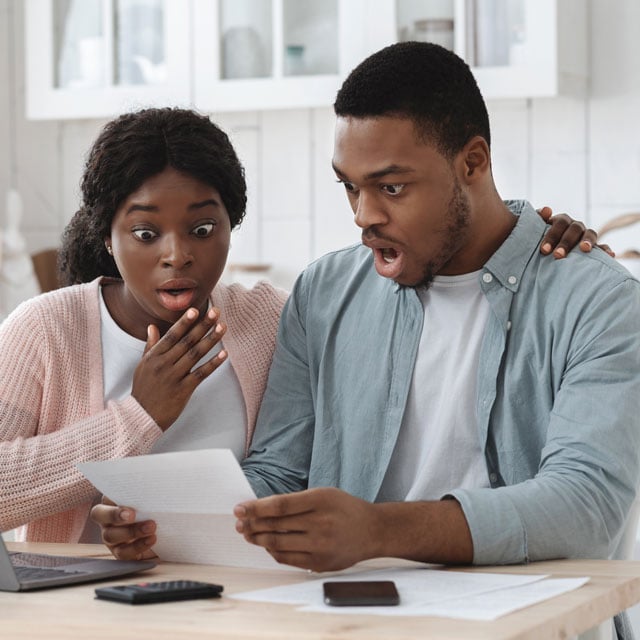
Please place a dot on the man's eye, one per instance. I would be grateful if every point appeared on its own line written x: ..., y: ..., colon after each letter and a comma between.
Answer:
x: 204, y: 230
x: 393, y: 189
x: 144, y: 234
x: 348, y: 186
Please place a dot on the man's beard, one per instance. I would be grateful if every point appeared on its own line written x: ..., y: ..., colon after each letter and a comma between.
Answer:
x: 457, y: 222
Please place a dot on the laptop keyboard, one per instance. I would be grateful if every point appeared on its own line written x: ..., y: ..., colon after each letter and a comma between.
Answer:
x: 32, y: 566
x: 35, y: 573
x: 37, y: 560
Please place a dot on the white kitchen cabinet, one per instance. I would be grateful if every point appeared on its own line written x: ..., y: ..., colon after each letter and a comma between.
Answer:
x: 261, y: 54
x: 99, y: 58
x: 266, y: 54
x: 516, y: 48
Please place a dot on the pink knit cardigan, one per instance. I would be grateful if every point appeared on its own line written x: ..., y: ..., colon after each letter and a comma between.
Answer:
x: 52, y: 408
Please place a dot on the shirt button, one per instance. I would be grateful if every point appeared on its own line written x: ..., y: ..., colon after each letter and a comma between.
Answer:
x: 508, y: 325
x: 512, y: 279
x: 493, y: 477
x: 487, y: 277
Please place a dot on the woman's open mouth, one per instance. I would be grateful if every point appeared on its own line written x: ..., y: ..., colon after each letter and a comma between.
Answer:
x: 177, y: 295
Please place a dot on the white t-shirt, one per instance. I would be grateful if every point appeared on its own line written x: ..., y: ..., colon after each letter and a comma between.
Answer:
x: 438, y: 448
x: 215, y: 416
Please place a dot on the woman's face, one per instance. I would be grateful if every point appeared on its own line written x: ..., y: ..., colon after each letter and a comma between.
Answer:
x: 170, y: 239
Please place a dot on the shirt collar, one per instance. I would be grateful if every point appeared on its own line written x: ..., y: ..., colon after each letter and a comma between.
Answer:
x: 508, y: 263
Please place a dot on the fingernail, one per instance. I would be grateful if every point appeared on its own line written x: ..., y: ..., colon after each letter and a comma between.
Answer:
x: 222, y: 354
x: 546, y: 247
x: 239, y: 511
x: 586, y: 245
x: 126, y: 514
x: 191, y: 314
x: 147, y: 527
x: 560, y: 252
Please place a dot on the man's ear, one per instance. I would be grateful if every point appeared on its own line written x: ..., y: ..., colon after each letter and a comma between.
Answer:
x: 475, y: 159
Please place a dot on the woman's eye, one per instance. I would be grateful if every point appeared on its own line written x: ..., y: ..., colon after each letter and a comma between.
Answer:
x: 204, y: 230
x: 144, y: 234
x: 393, y: 189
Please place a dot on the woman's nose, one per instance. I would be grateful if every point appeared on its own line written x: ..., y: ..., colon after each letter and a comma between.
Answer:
x: 176, y: 252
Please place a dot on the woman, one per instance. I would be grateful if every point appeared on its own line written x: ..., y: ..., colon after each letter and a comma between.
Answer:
x: 146, y: 351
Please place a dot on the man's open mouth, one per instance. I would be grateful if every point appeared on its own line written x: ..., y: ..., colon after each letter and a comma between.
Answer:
x: 389, y: 255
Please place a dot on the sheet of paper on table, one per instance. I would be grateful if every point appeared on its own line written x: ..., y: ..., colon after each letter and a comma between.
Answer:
x: 190, y: 495
x: 432, y: 592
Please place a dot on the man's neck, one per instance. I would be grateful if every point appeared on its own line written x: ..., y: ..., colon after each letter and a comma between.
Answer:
x: 493, y: 222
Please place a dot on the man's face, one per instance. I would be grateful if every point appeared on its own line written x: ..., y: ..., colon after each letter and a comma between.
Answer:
x: 405, y: 196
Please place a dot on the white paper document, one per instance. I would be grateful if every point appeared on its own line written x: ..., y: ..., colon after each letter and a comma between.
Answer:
x: 191, y: 496
x: 427, y: 591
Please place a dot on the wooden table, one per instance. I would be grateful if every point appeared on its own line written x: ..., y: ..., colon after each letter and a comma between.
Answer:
x: 72, y: 613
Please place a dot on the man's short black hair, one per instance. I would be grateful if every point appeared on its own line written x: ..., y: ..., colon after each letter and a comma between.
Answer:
x: 423, y: 82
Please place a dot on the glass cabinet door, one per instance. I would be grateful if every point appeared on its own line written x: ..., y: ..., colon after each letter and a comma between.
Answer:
x: 93, y: 58
x: 267, y: 39
x: 512, y: 46
x: 273, y: 53
x: 246, y: 39
x: 310, y: 43
x: 98, y: 43
x: 426, y: 21
x: 496, y: 33
x: 490, y: 33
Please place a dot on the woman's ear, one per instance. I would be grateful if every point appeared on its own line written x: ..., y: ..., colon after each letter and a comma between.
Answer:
x: 476, y: 159
x: 107, y: 244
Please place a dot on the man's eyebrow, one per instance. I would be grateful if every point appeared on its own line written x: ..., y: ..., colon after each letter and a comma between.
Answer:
x: 392, y: 169
x: 152, y: 208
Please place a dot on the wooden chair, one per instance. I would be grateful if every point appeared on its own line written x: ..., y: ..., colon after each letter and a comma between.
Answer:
x: 45, y: 264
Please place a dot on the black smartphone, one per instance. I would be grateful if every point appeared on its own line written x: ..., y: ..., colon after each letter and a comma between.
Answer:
x: 147, y: 592
x: 358, y: 593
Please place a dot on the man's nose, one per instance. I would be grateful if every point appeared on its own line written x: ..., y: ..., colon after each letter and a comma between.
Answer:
x: 367, y: 211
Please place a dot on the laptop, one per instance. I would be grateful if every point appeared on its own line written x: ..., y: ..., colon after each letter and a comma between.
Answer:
x: 21, y: 571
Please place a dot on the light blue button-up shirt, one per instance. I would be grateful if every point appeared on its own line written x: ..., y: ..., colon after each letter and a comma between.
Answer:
x: 558, y: 405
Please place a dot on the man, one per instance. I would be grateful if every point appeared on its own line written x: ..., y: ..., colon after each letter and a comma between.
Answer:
x: 443, y: 393
x: 465, y: 398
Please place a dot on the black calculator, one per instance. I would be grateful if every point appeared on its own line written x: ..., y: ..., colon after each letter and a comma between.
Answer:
x: 148, y: 592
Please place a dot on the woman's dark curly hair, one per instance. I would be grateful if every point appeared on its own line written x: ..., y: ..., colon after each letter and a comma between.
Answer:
x: 129, y: 150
